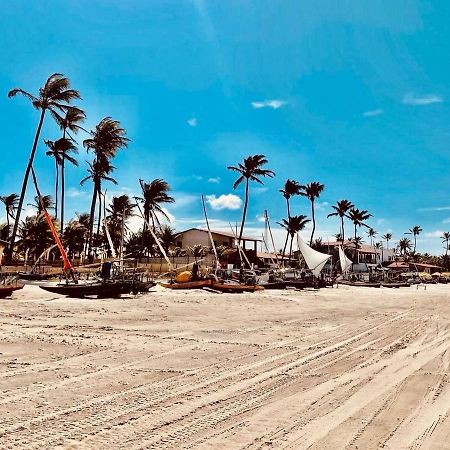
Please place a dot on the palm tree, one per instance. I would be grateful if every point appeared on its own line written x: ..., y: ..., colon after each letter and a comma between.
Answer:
x: 75, y: 236
x: 293, y: 225
x: 358, y: 217
x: 10, y: 201
x: 313, y: 191
x: 99, y: 171
x: 340, y: 210
x: 446, y: 238
x: 378, y: 246
x: 167, y: 236
x: 387, y: 237
x: 69, y: 122
x: 250, y: 170
x: 291, y: 188
x: 54, y: 96
x: 120, y: 211
x: 44, y: 202
x: 154, y: 194
x: 106, y: 139
x: 415, y: 231
x: 404, y: 246
x: 371, y: 233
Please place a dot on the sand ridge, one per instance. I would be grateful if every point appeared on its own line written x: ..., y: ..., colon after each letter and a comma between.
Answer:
x: 335, y: 368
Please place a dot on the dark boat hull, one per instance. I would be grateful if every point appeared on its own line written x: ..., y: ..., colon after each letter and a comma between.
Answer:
x: 198, y: 284
x: 236, y: 288
x: 274, y: 285
x: 35, y: 276
x: 395, y: 285
x: 6, y: 291
x: 101, y: 290
x: 359, y: 283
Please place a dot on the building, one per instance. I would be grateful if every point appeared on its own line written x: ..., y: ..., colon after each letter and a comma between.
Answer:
x: 366, y: 254
x: 198, y: 236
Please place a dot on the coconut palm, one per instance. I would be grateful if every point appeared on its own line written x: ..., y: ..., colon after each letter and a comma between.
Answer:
x: 167, y: 237
x: 104, y: 141
x: 35, y: 235
x: 293, y: 225
x: 372, y: 234
x: 358, y: 217
x: 446, y: 239
x: 99, y: 171
x: 10, y: 201
x: 291, y: 188
x: 404, y: 246
x: 54, y: 97
x: 378, y: 246
x: 75, y: 236
x: 387, y: 237
x: 250, y: 170
x: 340, y: 210
x: 120, y: 211
x: 41, y: 203
x: 415, y: 231
x: 154, y: 195
x: 69, y: 122
x: 312, y: 191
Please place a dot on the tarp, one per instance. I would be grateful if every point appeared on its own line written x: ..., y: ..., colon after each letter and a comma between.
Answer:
x: 314, y: 259
x: 345, y: 262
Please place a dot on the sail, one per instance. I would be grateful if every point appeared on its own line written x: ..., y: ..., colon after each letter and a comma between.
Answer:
x: 346, y: 263
x: 314, y: 259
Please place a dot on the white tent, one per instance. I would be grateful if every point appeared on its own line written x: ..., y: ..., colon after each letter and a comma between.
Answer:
x: 314, y: 259
x: 346, y: 263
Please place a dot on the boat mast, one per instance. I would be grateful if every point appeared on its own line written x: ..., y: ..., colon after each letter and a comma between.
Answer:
x: 271, y: 237
x: 209, y: 233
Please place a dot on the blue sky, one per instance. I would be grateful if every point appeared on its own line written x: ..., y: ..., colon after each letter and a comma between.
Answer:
x: 353, y: 94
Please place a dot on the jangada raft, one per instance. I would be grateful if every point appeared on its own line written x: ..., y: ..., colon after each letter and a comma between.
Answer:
x: 6, y: 290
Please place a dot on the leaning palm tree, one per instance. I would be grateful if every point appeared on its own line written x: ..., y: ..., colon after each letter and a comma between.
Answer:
x: 154, y: 195
x: 54, y: 96
x: 415, y: 231
x: 10, y: 201
x: 312, y: 191
x: 250, y: 170
x: 99, y: 171
x: 70, y: 122
x: 446, y: 239
x: 340, y: 210
x: 104, y: 141
x: 291, y: 188
x: 387, y: 237
x: 293, y: 225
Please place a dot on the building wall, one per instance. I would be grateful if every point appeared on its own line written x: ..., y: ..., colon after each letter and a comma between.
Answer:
x: 199, y: 237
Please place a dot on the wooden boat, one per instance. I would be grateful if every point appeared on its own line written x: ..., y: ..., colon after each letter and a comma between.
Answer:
x: 395, y: 284
x: 274, y: 285
x: 359, y: 283
x: 236, y: 287
x: 33, y: 276
x: 108, y: 289
x: 197, y: 284
x: 7, y: 290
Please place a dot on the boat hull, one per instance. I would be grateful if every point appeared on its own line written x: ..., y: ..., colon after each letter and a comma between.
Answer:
x: 6, y: 291
x: 35, y: 276
x: 199, y: 284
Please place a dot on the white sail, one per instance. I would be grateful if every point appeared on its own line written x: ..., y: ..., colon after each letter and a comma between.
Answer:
x: 346, y: 263
x: 314, y: 259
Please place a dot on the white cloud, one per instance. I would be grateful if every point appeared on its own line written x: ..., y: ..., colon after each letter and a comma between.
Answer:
x: 274, y: 104
x: 434, y: 234
x: 373, y: 112
x: 437, y: 208
x: 192, y: 122
x: 224, y: 201
x: 429, y: 99
x: 447, y: 220
x: 214, y: 180
x: 73, y: 192
x: 197, y: 177
x: 261, y: 218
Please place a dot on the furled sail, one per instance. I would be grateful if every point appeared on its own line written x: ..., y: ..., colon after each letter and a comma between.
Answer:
x: 314, y: 259
x: 346, y: 263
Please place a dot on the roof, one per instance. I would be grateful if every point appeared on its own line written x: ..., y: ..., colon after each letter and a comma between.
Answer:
x: 431, y: 266
x: 398, y: 265
x: 221, y: 233
x: 363, y: 248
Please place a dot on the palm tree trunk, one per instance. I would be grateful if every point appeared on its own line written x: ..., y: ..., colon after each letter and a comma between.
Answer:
x: 285, y: 244
x: 99, y: 212
x: 342, y: 228
x: 290, y: 249
x: 56, y: 188
x: 244, y: 212
x: 91, y: 221
x: 7, y: 222
x: 313, y: 221
x: 24, y: 187
x: 63, y: 185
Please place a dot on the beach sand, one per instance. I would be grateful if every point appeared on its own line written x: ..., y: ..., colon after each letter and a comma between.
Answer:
x: 336, y: 368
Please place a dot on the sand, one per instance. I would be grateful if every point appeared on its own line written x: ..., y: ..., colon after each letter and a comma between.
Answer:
x: 330, y: 369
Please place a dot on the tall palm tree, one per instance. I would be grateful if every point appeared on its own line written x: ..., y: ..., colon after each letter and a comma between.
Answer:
x: 10, y: 201
x: 120, y: 211
x: 54, y: 96
x: 291, y: 188
x: 167, y: 236
x: 372, y: 234
x: 44, y: 202
x: 70, y: 122
x: 105, y: 140
x: 404, y: 246
x: 378, y: 246
x: 154, y: 195
x: 293, y: 225
x: 340, y: 210
x: 446, y: 238
x: 387, y: 237
x: 415, y: 231
x: 358, y: 217
x: 250, y: 170
x: 99, y: 171
x: 312, y: 191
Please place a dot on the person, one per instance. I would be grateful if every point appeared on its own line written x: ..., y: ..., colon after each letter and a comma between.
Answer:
x: 105, y: 272
x: 303, y: 274
x: 195, y: 271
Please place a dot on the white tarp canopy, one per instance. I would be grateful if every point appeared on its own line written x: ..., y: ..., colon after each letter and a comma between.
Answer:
x: 345, y: 262
x: 314, y: 259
